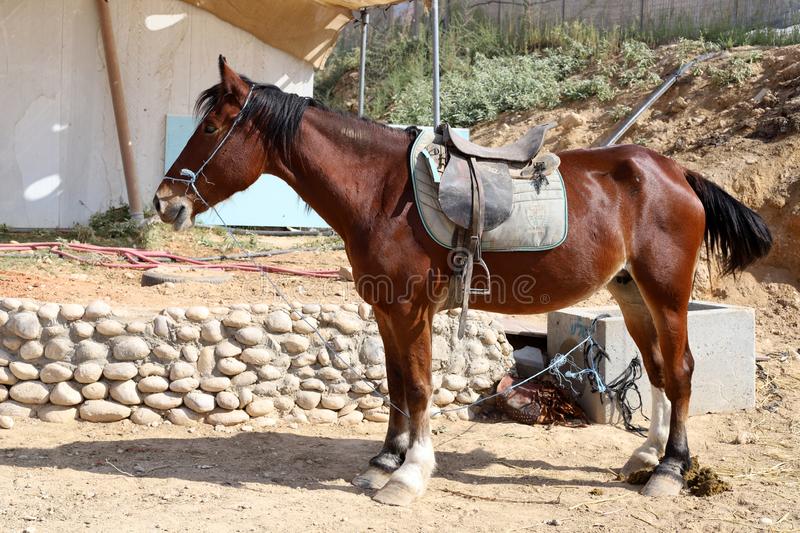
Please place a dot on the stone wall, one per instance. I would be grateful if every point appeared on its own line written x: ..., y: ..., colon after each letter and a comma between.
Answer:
x: 224, y: 365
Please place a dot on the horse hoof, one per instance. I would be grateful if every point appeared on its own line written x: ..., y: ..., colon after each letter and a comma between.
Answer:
x: 373, y: 478
x: 636, y: 463
x: 395, y: 493
x: 663, y: 485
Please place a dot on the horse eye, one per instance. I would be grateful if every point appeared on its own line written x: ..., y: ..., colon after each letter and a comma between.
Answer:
x: 210, y: 129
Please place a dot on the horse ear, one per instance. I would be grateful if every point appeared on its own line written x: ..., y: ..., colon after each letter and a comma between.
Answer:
x: 232, y: 83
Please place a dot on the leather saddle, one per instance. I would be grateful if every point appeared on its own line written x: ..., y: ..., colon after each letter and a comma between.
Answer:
x: 476, y: 193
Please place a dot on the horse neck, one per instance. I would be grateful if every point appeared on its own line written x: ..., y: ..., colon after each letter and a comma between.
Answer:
x: 347, y: 170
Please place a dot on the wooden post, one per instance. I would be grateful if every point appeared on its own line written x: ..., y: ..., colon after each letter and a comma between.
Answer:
x: 120, y: 112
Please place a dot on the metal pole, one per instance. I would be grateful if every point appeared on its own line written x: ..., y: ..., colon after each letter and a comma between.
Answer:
x: 120, y: 113
x: 435, y: 33
x: 641, y: 18
x: 362, y: 71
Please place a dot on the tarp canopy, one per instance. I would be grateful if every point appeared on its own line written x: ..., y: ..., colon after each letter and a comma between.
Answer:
x: 305, y: 29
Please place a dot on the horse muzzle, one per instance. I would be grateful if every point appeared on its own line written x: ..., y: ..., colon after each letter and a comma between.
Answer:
x: 176, y: 211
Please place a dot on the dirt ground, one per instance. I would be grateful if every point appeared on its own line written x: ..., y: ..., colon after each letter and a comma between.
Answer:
x: 493, y: 475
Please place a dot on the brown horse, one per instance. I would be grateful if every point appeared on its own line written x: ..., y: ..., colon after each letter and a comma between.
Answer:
x: 637, y: 221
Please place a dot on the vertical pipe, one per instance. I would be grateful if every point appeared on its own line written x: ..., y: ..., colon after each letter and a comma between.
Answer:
x: 435, y: 34
x: 563, y: 11
x: 641, y: 18
x: 120, y: 113
x: 362, y: 69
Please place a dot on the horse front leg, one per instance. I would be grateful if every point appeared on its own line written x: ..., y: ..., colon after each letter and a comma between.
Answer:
x: 413, y: 339
x: 395, y: 445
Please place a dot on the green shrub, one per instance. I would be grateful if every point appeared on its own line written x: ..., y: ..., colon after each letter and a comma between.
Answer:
x: 735, y: 71
x: 638, y: 64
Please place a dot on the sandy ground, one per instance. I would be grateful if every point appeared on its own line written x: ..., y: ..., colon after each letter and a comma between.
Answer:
x: 492, y: 475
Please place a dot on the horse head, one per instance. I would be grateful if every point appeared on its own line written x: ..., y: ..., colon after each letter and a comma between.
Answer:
x: 218, y: 160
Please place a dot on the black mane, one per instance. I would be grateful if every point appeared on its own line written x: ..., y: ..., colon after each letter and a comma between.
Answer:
x: 277, y: 114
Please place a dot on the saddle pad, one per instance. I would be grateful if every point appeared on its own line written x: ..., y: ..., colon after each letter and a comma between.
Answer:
x: 538, y: 221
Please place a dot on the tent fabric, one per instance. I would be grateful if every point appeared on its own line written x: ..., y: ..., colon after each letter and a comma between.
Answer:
x: 305, y: 29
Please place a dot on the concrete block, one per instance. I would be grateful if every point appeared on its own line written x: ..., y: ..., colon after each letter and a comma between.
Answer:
x: 721, y: 337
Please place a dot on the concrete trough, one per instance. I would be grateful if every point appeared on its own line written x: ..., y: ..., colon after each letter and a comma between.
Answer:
x: 722, y: 339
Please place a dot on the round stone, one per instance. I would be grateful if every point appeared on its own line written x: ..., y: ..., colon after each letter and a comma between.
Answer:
x: 12, y: 343
x: 6, y: 422
x: 329, y: 373
x: 58, y: 349
x: 211, y: 331
x: 16, y: 409
x: 25, y: 325
x: 5, y: 358
x: 125, y: 392
x: 161, y: 325
x: 467, y: 396
x: 95, y: 391
x: 163, y: 400
x: 176, y: 313
x: 250, y: 336
x: 227, y: 418
x: 7, y: 377
x: 260, y: 407
x: 372, y: 352
x: 488, y: 337
x: 152, y: 369
x: 257, y: 356
x: 70, y: 312
x: 379, y: 414
x: 244, y: 379
x: 197, y: 313
x: 97, y: 309
x: 181, y: 416
x: 284, y: 403
x: 24, y: 371
x: 375, y: 372
x: 130, y: 348
x: 136, y: 327
x: 307, y: 399
x: 180, y: 370
x: 110, y: 328
x: 190, y: 353
x: 278, y: 322
x: 227, y: 400
x: 31, y: 350
x: 82, y: 329
x: 3, y: 393
x: 199, y: 402
x: 480, y: 383
x: 188, y: 333
x: 231, y: 366
x: 478, y: 366
x: 305, y: 372
x: 323, y: 416
x: 165, y: 352
x: 55, y: 373
x: 369, y: 402
x: 270, y: 373
x: 443, y: 397
x: 12, y: 304
x: 103, y: 411
x: 303, y: 359
x: 3, y: 318
x: 152, y: 384
x: 57, y: 414
x: 305, y: 325
x: 362, y: 387
x: 245, y: 397
x: 364, y: 310
x: 334, y: 401
x: 48, y: 311
x: 352, y: 418
x: 88, y: 372
x: 65, y: 393
x: 215, y: 384
x: 32, y: 392
x: 144, y: 416
x: 347, y: 322
x: 454, y: 382
x: 238, y: 318
x: 120, y: 371
x: 88, y: 350
x: 227, y: 349
x: 294, y: 344
x: 313, y: 384
x: 184, y: 385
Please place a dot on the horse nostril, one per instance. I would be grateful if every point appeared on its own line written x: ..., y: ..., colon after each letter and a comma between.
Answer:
x: 157, y: 203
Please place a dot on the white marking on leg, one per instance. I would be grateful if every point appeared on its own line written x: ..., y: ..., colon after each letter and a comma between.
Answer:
x: 417, y: 467
x: 653, y: 448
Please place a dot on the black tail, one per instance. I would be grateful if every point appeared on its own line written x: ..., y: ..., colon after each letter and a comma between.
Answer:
x: 734, y: 231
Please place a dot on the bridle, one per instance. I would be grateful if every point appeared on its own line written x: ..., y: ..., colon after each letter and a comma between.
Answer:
x: 189, y: 177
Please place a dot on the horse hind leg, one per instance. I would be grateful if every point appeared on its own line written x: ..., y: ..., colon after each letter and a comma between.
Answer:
x: 639, y: 324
